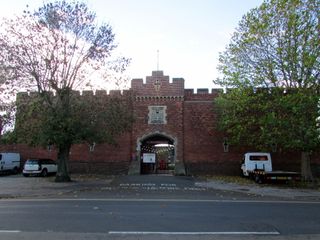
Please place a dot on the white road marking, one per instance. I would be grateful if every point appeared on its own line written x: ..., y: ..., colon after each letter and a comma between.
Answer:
x: 161, y: 186
x: 171, y: 233
x: 10, y: 231
x: 190, y: 233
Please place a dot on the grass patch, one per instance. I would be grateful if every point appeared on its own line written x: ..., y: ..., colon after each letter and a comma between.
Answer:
x: 246, y: 181
x: 231, y: 179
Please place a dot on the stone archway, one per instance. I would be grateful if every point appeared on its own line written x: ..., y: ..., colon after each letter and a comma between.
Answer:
x: 157, y: 153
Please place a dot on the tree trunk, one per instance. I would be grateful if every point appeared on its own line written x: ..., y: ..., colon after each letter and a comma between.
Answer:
x: 65, y: 145
x: 306, y: 172
x: 63, y: 169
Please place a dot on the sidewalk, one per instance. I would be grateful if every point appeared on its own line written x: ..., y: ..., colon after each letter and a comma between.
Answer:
x: 279, y: 191
x: 17, y: 186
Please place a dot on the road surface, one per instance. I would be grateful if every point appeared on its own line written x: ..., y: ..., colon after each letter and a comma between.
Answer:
x: 157, y: 219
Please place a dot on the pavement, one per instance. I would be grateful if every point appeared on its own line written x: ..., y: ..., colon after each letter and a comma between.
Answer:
x: 276, y: 191
x: 17, y: 186
x: 148, y: 186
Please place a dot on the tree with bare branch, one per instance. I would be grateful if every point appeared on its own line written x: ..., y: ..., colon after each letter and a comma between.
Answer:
x: 57, y: 49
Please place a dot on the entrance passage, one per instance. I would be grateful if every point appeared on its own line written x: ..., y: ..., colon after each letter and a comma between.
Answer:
x: 157, y: 155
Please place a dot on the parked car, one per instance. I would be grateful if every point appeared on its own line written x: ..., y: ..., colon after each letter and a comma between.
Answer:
x: 10, y: 162
x: 39, y: 167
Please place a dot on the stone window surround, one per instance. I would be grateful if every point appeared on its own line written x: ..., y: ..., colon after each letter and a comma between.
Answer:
x: 157, y: 114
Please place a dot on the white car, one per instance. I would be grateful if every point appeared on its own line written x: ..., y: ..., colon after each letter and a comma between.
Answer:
x: 39, y: 167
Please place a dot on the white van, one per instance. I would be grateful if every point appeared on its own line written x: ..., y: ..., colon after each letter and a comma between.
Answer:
x: 253, y: 161
x: 10, y: 162
x: 258, y: 166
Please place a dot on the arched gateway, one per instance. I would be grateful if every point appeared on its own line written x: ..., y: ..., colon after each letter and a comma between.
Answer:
x: 156, y: 153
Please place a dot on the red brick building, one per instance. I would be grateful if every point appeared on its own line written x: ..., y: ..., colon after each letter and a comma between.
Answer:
x: 167, y: 113
x: 174, y: 132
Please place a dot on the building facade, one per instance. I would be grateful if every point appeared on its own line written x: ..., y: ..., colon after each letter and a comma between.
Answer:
x: 174, y: 132
x: 179, y: 120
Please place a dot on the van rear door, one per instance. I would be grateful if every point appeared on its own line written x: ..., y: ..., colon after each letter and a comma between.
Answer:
x: 261, y: 161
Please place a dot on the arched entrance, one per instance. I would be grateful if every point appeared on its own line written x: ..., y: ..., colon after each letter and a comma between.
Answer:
x: 157, y: 154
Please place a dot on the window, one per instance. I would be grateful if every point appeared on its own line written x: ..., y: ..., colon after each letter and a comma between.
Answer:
x: 157, y: 115
x: 259, y: 158
x: 32, y: 161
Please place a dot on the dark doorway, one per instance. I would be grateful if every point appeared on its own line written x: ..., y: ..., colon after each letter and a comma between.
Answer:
x: 157, y: 155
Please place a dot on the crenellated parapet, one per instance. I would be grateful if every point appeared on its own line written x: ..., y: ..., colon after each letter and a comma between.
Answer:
x: 271, y: 90
x: 157, y: 87
x: 158, y: 84
x: 201, y: 94
x: 83, y: 95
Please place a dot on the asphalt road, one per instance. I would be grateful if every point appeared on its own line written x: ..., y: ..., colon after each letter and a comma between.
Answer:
x: 170, y: 218
x: 154, y: 207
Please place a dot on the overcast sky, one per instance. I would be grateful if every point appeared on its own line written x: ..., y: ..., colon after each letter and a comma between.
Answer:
x: 189, y: 34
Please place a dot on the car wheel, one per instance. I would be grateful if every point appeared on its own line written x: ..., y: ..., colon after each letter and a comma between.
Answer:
x: 26, y: 175
x: 15, y: 170
x: 44, y: 172
x: 258, y: 179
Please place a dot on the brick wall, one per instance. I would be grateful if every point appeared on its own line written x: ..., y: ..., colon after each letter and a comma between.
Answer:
x: 190, y: 124
x: 104, y: 159
x: 203, y: 143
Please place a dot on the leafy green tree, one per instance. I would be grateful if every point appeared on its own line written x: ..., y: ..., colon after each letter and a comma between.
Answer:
x: 276, y: 50
x: 58, y: 49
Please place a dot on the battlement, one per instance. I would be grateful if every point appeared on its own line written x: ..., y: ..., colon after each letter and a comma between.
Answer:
x: 84, y: 94
x: 202, y: 91
x: 142, y: 90
x: 271, y: 90
x: 201, y: 94
x: 158, y: 84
